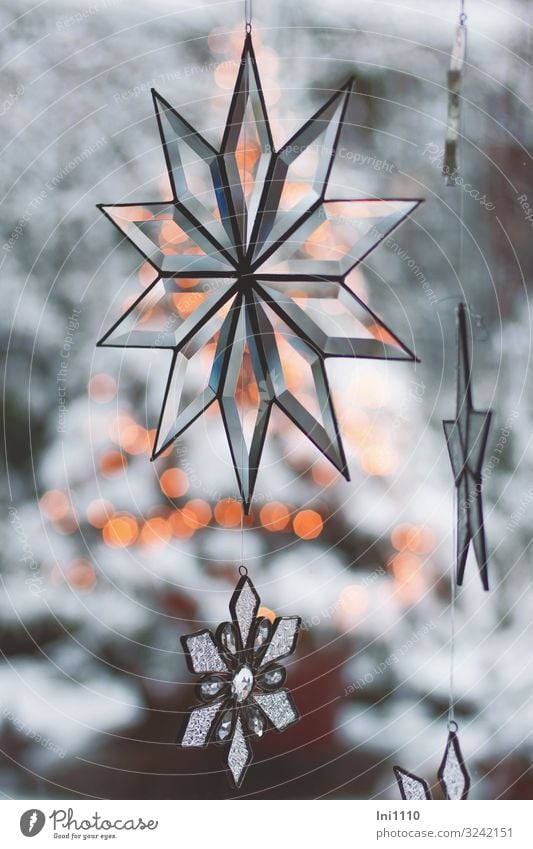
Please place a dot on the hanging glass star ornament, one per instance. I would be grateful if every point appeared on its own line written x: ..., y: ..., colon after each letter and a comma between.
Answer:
x: 252, y: 267
x: 241, y: 690
x: 466, y: 437
x: 453, y: 775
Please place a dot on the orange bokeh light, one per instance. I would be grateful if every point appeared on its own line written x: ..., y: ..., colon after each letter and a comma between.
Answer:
x: 155, y: 532
x: 400, y: 536
x: 378, y: 460
x: 196, y: 514
x: 225, y: 74
x: 99, y: 511
x: 112, y: 463
x: 81, y: 575
x: 274, y: 516
x: 172, y: 234
x: 147, y: 274
x: 324, y: 474
x: 102, y: 388
x: 135, y: 439
x: 174, y: 483
x: 308, y: 524
x: 120, y: 531
x: 410, y: 583
x: 178, y: 526
x: 117, y: 426
x: 54, y: 505
x: 415, y: 538
x: 185, y: 303
x: 382, y: 335
x: 228, y: 513
x: 266, y: 613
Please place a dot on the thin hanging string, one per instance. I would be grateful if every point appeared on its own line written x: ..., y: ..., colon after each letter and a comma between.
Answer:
x: 452, y: 724
x: 248, y: 15
x: 451, y: 699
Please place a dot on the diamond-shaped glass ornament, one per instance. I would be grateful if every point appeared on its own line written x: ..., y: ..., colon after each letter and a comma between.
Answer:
x: 248, y: 244
x: 412, y: 788
x: 241, y: 691
x: 453, y: 774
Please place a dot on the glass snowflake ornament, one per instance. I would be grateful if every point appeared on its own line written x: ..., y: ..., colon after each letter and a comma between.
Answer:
x: 241, y: 690
x: 252, y: 265
x: 453, y: 775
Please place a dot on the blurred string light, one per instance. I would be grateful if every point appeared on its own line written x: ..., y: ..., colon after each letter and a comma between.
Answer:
x: 112, y: 463
x: 99, y: 511
x: 81, y: 575
x: 228, y: 513
x: 155, y: 532
x: 102, y: 388
x: 408, y: 565
x: 54, y: 505
x: 57, y: 508
x: 308, y: 524
x: 120, y: 531
x: 351, y: 605
x: 196, y: 514
x: 274, y: 517
x: 174, y: 483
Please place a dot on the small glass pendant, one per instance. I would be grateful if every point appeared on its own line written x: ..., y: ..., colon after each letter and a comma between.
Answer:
x: 262, y: 633
x: 255, y: 722
x: 229, y: 639
x: 211, y: 687
x: 272, y: 678
x: 224, y: 729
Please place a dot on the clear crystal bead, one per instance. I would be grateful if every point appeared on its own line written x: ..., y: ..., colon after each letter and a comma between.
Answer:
x: 211, y: 687
x: 261, y: 635
x: 229, y: 640
x: 273, y: 677
x: 242, y: 683
x: 224, y: 729
x: 255, y: 721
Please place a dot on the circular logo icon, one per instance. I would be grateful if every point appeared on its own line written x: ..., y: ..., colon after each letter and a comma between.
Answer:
x: 32, y: 822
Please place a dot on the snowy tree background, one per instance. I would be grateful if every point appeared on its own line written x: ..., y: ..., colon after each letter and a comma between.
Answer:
x: 107, y: 558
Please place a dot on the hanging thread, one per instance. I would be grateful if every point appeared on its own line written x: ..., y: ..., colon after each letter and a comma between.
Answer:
x: 456, y: 68
x: 455, y: 76
x: 451, y: 697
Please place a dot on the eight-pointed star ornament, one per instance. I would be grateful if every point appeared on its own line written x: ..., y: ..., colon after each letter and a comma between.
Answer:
x: 467, y: 439
x: 453, y: 774
x: 241, y: 688
x: 252, y: 265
